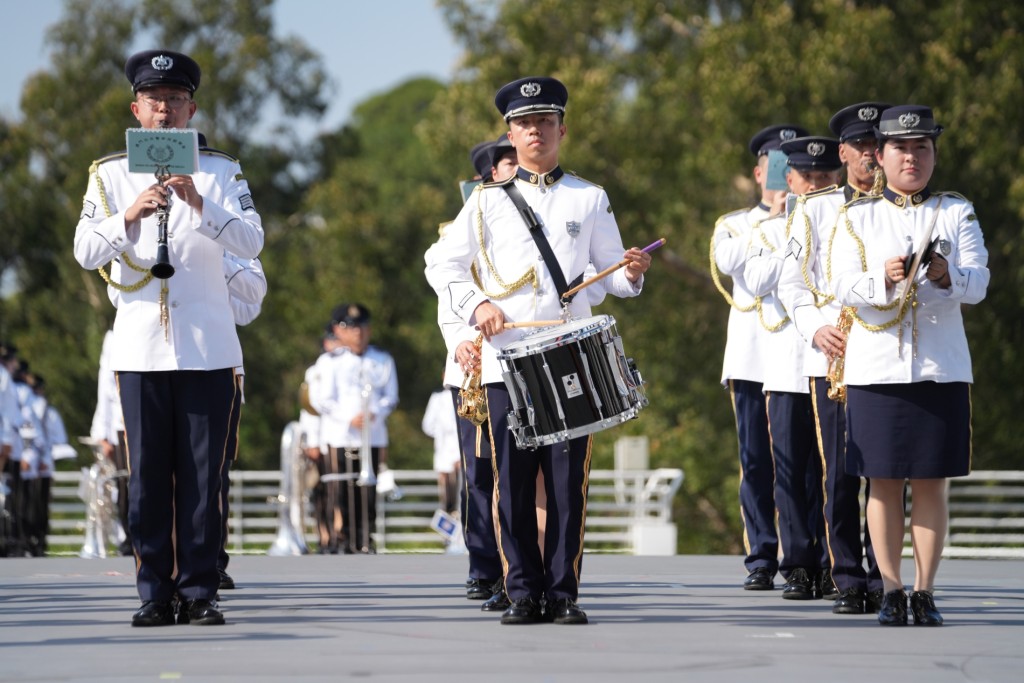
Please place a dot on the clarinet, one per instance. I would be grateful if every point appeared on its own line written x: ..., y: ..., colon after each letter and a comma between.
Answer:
x: 162, y: 269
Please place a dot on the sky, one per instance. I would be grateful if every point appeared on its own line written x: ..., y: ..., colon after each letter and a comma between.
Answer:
x: 367, y: 47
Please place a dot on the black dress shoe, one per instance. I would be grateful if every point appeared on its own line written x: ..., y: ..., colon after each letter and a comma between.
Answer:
x: 154, y: 613
x: 565, y: 611
x: 922, y: 605
x: 873, y: 601
x: 894, y: 609
x: 759, y: 580
x: 200, y: 612
x: 479, y: 589
x: 850, y: 601
x: 522, y: 611
x: 798, y: 586
x: 498, y: 602
x: 226, y: 582
x: 826, y: 586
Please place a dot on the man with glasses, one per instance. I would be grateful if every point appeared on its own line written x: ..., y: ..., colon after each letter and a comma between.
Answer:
x: 174, y: 344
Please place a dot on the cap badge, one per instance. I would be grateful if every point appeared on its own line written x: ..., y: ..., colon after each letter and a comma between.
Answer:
x: 573, y: 228
x: 787, y: 134
x: 353, y: 312
x: 867, y: 113
x: 162, y: 62
x: 531, y: 89
x: 909, y: 120
x: 815, y: 149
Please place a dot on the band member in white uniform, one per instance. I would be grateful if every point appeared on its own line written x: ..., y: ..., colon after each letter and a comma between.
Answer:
x: 806, y: 294
x: 175, y: 344
x: 908, y: 261
x: 577, y: 222
x: 743, y: 366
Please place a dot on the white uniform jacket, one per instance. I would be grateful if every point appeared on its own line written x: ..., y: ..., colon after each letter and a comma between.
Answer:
x: 730, y: 245
x: 202, y: 329
x: 581, y: 229
x: 310, y: 422
x: 781, y: 345
x: 439, y: 423
x: 879, y: 229
x: 805, y: 266
x: 338, y: 395
x: 107, y: 419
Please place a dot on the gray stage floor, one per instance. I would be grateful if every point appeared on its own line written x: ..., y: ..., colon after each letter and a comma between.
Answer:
x: 405, y: 618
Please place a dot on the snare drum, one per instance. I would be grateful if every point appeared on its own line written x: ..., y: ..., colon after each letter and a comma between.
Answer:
x: 569, y: 380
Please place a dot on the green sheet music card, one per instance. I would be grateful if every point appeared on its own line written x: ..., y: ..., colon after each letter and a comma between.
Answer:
x: 173, y: 150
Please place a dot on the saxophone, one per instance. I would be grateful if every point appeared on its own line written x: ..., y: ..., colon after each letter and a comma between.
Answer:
x: 472, y: 399
x: 836, y: 386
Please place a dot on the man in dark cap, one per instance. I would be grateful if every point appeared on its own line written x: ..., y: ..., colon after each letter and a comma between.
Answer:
x: 356, y: 392
x: 743, y: 365
x: 813, y: 164
x: 174, y: 344
x: 517, y: 283
x: 805, y: 293
x: 908, y: 261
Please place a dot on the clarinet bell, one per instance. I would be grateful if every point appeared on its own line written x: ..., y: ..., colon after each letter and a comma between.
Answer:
x: 162, y: 269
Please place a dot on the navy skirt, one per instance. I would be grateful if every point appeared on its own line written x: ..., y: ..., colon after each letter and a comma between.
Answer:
x: 920, y: 430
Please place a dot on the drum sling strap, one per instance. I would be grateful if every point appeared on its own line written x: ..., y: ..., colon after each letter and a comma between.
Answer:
x: 537, y: 232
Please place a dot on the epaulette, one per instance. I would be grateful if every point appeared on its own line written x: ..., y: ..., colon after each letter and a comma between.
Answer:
x: 818, y: 193
x: 495, y: 183
x: 110, y: 157
x: 949, y: 193
x: 217, y: 153
x: 732, y: 214
x: 863, y: 199
x: 576, y: 175
x: 441, y: 227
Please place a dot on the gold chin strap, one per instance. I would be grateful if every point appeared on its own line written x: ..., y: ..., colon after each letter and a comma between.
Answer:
x: 165, y: 316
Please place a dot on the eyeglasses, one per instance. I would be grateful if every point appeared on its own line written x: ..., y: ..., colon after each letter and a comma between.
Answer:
x: 171, y: 101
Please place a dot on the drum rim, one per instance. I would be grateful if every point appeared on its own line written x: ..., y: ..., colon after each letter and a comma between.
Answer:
x: 529, y: 344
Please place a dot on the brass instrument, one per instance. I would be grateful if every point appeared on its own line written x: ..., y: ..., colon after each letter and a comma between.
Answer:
x: 290, y: 539
x: 472, y: 399
x: 366, y: 480
x: 162, y: 268
x: 836, y: 386
x: 97, y: 491
x: 304, y: 400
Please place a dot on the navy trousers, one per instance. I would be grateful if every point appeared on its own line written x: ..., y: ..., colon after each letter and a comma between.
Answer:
x: 757, y: 476
x: 176, y: 427
x: 225, y: 484
x: 475, y: 506
x: 566, y: 468
x: 842, y: 499
x: 797, y: 482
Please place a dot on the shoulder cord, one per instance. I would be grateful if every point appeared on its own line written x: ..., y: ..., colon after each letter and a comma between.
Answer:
x: 529, y: 277
x: 165, y: 318
x: 716, y: 277
x: 909, y: 302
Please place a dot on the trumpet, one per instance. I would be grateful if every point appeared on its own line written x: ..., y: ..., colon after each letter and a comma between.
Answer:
x: 366, y: 475
x: 162, y: 269
x: 836, y: 367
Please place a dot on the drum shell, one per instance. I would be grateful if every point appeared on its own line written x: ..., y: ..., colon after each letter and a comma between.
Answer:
x: 568, y: 381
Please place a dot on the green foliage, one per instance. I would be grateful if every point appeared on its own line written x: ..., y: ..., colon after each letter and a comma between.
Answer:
x: 664, y: 95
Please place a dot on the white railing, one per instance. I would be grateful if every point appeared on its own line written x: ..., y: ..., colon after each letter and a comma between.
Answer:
x: 627, y: 512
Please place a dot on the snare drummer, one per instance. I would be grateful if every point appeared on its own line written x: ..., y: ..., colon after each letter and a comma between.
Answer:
x: 516, y: 285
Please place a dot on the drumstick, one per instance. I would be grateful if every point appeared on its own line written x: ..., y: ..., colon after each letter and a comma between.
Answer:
x: 535, y: 323
x: 611, y: 269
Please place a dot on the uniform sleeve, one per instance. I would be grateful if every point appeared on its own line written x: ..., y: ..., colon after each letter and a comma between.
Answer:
x: 389, y: 396
x: 101, y: 234
x: 606, y: 250
x: 730, y: 247
x: 765, y: 257
x: 449, y: 260
x: 233, y: 222
x: 968, y: 267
